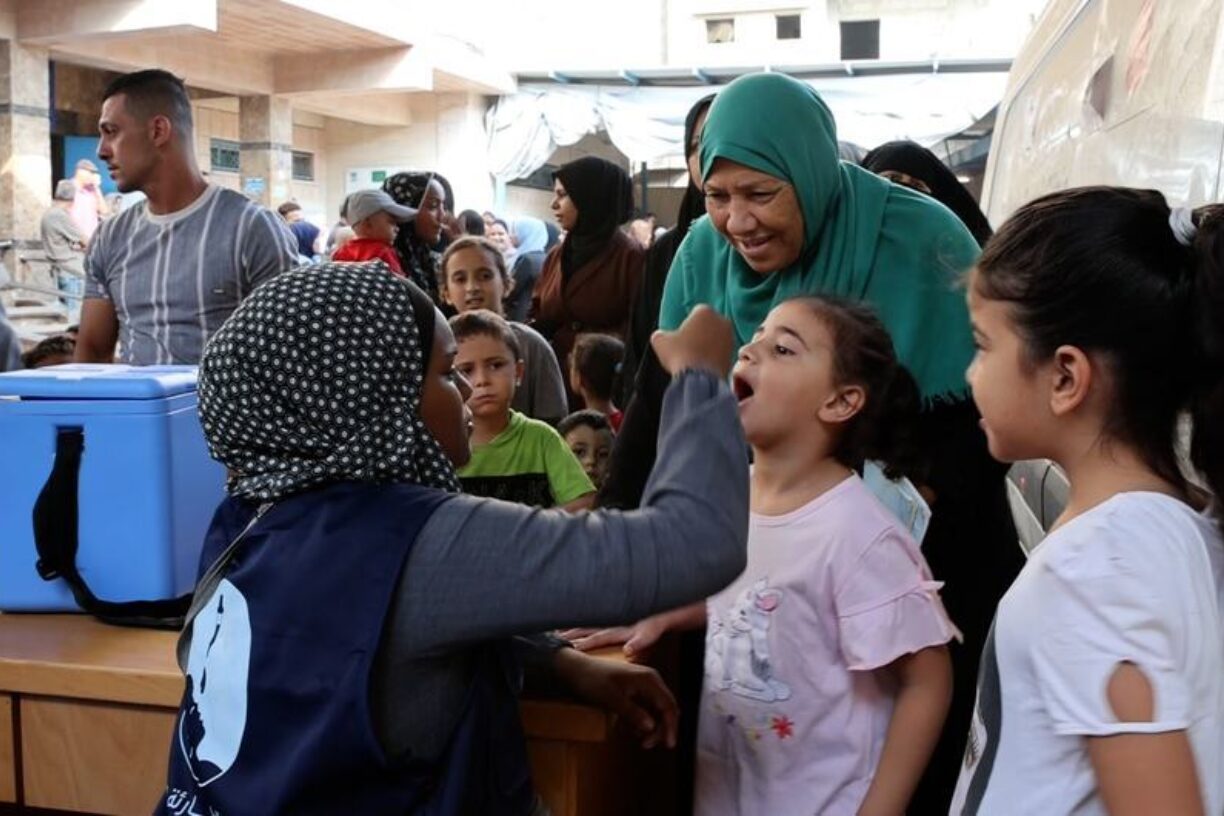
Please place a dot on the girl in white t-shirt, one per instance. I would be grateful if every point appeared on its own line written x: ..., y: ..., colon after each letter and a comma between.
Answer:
x: 1097, y: 313
x: 826, y: 675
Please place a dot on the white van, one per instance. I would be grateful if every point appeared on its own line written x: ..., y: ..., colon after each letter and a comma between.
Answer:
x: 1123, y: 92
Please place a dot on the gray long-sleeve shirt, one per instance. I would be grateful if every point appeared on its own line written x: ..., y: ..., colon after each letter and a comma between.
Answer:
x: 483, y: 570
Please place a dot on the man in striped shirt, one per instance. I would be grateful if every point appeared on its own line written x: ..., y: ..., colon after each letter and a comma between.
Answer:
x: 163, y: 275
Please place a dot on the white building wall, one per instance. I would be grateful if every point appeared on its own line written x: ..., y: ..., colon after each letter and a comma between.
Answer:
x: 542, y: 35
x: 909, y: 29
x: 218, y: 119
x: 446, y: 136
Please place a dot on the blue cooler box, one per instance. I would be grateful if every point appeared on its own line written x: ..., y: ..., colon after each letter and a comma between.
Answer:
x: 147, y: 489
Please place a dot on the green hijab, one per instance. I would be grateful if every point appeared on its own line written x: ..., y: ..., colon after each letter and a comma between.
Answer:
x: 865, y: 239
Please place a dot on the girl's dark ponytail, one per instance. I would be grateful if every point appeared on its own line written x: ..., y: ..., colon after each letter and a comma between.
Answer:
x: 1207, y: 392
x: 1115, y: 271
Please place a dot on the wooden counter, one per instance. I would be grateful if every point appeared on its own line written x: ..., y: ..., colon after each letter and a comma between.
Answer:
x: 87, y: 710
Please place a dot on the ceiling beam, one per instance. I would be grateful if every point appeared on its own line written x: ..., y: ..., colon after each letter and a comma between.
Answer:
x: 395, y: 19
x: 51, y: 22
x: 194, y: 60
x: 385, y: 110
x: 366, y: 70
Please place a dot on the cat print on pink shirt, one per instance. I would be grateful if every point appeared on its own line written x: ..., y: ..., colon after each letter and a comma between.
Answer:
x: 737, y: 656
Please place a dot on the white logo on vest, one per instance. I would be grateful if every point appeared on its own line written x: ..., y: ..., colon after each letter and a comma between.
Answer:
x: 210, y: 730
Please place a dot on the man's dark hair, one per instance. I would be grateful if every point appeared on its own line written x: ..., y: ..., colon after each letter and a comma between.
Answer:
x: 288, y: 207
x: 154, y: 93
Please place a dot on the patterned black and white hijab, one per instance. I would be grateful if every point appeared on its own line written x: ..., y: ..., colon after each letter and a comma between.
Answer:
x: 317, y: 378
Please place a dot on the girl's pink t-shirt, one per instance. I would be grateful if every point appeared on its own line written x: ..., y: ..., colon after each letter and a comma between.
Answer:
x: 793, y: 718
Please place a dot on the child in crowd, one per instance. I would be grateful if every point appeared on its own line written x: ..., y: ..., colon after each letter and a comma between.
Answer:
x: 51, y: 351
x: 514, y: 458
x: 375, y: 219
x: 595, y: 365
x: 475, y: 276
x: 1097, y: 315
x: 827, y: 677
x: 589, y: 436
x: 498, y: 234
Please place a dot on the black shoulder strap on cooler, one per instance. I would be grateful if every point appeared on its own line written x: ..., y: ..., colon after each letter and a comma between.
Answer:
x: 55, y: 536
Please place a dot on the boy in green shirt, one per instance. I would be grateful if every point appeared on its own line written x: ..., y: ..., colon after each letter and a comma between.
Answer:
x: 513, y: 457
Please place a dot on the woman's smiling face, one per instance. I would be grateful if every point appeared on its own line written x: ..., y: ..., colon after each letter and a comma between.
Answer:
x: 758, y: 213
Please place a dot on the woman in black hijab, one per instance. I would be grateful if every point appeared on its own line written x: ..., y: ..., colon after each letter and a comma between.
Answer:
x: 635, y: 445
x: 644, y: 318
x: 590, y: 279
x: 417, y: 241
x: 913, y: 166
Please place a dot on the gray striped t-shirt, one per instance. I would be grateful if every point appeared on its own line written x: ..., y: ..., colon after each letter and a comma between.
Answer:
x: 175, y: 278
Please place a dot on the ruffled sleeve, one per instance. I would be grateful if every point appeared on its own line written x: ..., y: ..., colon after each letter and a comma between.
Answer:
x: 888, y: 605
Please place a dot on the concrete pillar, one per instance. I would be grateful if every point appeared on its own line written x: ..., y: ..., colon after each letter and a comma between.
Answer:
x: 265, y: 128
x: 25, y: 144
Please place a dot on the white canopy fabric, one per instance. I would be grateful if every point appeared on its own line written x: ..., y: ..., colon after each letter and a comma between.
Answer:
x: 647, y: 123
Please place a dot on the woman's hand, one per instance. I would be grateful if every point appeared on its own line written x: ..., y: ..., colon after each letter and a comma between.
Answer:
x: 588, y: 640
x: 705, y: 340
x: 637, y: 640
x: 635, y: 693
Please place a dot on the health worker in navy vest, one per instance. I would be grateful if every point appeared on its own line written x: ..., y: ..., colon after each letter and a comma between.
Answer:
x: 361, y: 630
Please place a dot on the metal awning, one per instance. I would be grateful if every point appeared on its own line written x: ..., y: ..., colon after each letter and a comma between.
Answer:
x: 643, y: 111
x: 688, y: 77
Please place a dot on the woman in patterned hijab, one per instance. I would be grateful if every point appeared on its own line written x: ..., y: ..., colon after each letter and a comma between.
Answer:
x: 350, y: 648
x: 284, y: 412
x: 429, y: 194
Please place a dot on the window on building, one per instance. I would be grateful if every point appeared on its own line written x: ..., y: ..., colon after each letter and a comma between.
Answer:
x: 860, y: 40
x: 790, y: 26
x: 303, y: 166
x: 720, y: 30
x: 223, y: 155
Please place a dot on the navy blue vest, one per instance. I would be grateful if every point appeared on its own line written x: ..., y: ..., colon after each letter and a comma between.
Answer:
x: 276, y: 716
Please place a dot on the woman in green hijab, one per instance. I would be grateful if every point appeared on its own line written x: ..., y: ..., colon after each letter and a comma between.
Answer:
x: 787, y: 218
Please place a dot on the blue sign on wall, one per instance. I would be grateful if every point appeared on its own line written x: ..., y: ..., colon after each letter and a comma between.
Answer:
x: 85, y: 147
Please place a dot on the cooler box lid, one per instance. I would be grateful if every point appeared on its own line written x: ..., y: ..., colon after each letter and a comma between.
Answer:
x: 82, y: 381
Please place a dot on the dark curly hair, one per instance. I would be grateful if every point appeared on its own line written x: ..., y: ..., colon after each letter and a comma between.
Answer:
x: 885, y: 429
